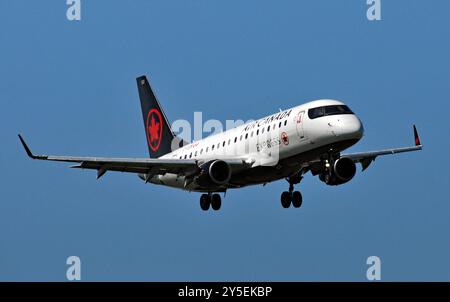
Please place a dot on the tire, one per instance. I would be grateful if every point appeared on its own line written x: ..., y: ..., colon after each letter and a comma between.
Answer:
x: 285, y: 199
x: 216, y: 202
x: 205, y: 202
x: 297, y: 199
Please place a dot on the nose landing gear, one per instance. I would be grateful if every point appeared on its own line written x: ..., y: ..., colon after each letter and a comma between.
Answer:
x: 291, y: 196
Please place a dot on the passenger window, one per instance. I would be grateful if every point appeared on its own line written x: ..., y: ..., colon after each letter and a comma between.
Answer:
x: 190, y: 155
x: 279, y: 125
x: 195, y: 153
x: 240, y: 138
x: 229, y: 141
x: 212, y: 148
x: 257, y: 132
x: 223, y: 145
x: 185, y: 156
x: 235, y: 139
x: 285, y: 122
x: 246, y: 135
x: 251, y: 135
x: 268, y: 128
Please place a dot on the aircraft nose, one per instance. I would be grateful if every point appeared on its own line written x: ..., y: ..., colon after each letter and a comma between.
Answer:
x: 353, y: 128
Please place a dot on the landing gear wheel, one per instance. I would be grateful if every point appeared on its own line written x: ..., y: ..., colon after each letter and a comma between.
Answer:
x: 216, y: 202
x: 297, y: 199
x: 205, y: 201
x: 285, y: 199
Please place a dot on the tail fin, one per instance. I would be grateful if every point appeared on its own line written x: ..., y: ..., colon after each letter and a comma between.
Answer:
x: 160, y: 137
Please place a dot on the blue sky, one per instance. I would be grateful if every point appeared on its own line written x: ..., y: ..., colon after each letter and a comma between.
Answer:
x: 69, y: 88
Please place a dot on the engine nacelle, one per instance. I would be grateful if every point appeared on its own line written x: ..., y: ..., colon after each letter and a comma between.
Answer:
x: 343, y: 170
x: 216, y: 172
x: 219, y: 171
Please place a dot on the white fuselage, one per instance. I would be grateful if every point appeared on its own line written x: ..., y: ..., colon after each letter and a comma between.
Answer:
x: 269, y: 140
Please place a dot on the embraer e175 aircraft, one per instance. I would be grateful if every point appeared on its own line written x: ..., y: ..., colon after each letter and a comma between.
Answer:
x: 284, y: 145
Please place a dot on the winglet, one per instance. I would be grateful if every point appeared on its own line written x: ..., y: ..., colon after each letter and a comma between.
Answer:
x: 416, y: 137
x: 31, y: 155
x: 26, y: 147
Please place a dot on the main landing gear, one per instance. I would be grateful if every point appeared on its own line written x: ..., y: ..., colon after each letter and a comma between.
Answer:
x: 210, y: 200
x: 291, y: 196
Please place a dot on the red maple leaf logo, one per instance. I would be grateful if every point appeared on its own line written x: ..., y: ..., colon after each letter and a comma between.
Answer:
x: 153, y: 130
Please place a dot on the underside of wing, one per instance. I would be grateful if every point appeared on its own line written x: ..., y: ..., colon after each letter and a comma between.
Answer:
x: 337, y: 168
x: 366, y: 158
x: 147, y: 166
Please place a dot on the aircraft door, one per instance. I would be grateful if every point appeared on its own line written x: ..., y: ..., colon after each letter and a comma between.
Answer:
x: 299, y: 121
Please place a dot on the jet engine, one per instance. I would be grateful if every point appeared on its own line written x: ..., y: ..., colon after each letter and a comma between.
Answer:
x: 341, y: 171
x: 216, y: 172
x: 220, y: 172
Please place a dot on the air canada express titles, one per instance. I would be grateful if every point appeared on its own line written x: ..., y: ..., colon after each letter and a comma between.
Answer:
x: 268, y: 120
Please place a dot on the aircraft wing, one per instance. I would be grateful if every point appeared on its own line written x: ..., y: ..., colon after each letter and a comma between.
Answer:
x: 148, y: 166
x: 366, y: 158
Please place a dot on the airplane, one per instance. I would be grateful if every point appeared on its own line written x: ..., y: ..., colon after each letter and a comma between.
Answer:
x: 285, y: 145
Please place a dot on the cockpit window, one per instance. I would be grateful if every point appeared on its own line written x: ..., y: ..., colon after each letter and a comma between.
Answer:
x: 315, y: 112
x: 328, y: 110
